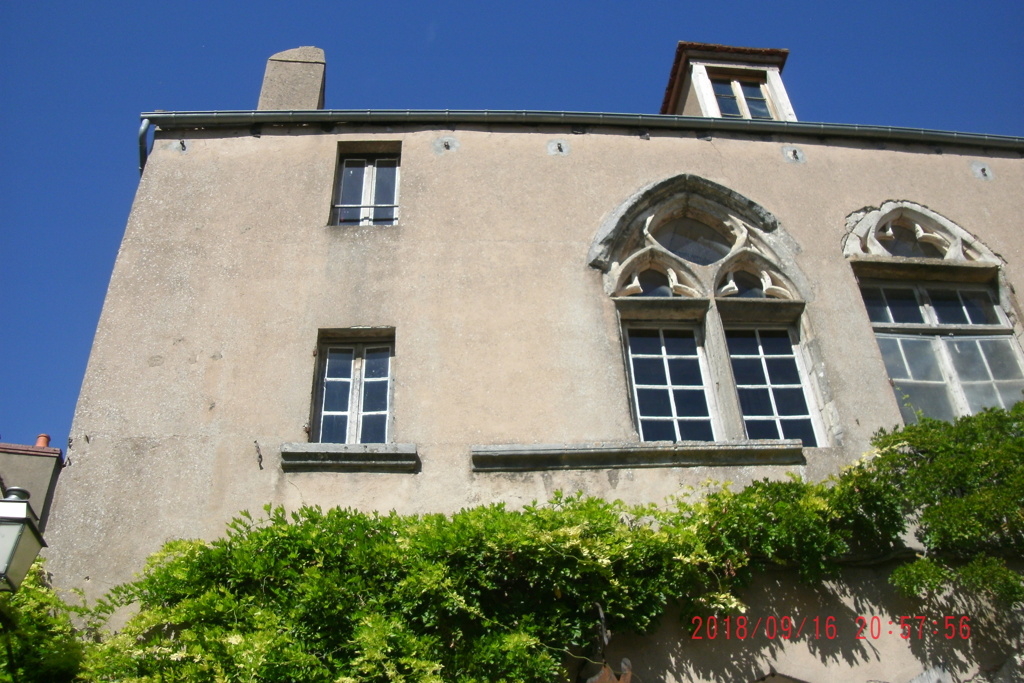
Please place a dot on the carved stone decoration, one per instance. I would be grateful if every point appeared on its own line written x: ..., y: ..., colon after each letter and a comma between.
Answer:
x: 624, y: 279
x: 623, y: 232
x: 750, y: 274
x: 907, y: 230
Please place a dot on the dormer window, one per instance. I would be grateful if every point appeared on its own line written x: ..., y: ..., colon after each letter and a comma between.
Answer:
x: 718, y: 81
x: 741, y: 99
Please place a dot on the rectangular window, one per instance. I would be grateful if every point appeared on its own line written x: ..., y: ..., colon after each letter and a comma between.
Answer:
x: 947, y: 349
x: 668, y: 385
x: 769, y: 385
x: 366, y: 190
x: 354, y: 392
x: 741, y: 98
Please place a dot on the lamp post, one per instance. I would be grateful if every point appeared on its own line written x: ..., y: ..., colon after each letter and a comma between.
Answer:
x: 20, y: 540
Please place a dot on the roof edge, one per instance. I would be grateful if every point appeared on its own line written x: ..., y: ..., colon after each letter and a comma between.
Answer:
x: 326, y: 117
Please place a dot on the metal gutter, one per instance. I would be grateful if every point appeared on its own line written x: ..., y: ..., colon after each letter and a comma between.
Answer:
x: 447, y: 117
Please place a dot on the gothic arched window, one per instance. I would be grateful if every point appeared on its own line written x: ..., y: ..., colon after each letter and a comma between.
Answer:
x: 933, y: 297
x: 703, y: 280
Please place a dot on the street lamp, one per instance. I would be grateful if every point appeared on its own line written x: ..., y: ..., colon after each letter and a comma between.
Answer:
x: 20, y: 540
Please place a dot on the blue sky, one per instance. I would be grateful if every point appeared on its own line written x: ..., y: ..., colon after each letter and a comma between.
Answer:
x: 76, y: 75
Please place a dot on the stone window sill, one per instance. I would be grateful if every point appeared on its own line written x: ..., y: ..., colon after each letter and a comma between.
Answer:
x: 342, y: 457
x: 520, y: 458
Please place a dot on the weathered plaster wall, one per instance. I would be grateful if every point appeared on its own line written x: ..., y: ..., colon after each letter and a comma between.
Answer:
x: 503, y: 332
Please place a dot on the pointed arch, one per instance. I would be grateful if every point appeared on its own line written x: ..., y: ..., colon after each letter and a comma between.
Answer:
x: 771, y: 283
x: 684, y: 194
x: 904, y: 229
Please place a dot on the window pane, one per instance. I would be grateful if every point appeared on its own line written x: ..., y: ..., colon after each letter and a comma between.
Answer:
x: 790, y: 401
x: 758, y: 109
x: 654, y: 283
x: 333, y: 429
x: 644, y: 342
x: 377, y: 362
x: 748, y: 371
x: 875, y: 303
x: 1002, y: 361
x: 348, y: 215
x: 903, y: 242
x: 799, y: 429
x: 727, y: 104
x: 776, y: 342
x: 742, y: 342
x: 947, y: 306
x: 339, y: 363
x: 979, y: 308
x: 385, y: 182
x: 657, y: 430
x: 690, y: 403
x: 981, y: 396
x: 893, y: 358
x: 782, y: 370
x: 903, y: 306
x: 1011, y: 393
x: 920, y: 355
x: 695, y: 430
x: 755, y: 402
x: 375, y: 396
x: 729, y: 107
x: 649, y: 371
x: 685, y: 371
x: 749, y: 285
x: 931, y: 399
x: 352, y: 176
x: 336, y: 396
x: 374, y: 429
x: 721, y: 86
x: 654, y: 402
x: 967, y: 360
x: 680, y: 343
x: 693, y: 241
x: 761, y: 429
x: 383, y: 215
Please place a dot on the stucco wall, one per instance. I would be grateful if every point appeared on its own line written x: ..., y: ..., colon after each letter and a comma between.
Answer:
x: 504, y: 334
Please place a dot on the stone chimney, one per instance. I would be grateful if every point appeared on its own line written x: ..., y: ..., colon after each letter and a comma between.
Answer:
x: 294, y: 80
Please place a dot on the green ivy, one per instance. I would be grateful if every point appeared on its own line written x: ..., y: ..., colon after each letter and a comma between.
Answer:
x: 492, y: 594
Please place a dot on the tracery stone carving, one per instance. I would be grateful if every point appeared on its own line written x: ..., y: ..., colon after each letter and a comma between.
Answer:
x: 751, y: 275
x: 904, y: 229
x: 703, y: 238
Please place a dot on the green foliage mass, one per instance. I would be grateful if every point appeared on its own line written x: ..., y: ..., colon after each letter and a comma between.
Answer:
x: 960, y: 487
x: 39, y: 642
x: 492, y: 594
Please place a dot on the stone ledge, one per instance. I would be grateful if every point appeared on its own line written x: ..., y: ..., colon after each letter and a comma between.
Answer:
x: 356, y: 457
x: 519, y: 458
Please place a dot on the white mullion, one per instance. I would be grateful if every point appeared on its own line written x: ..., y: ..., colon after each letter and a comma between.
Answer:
x: 355, y: 401
x: 369, y: 182
x: 953, y: 382
x: 710, y: 398
x: 741, y: 99
x: 768, y: 381
x: 668, y: 385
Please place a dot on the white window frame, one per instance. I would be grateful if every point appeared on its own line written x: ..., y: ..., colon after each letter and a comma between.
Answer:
x: 356, y: 412
x: 810, y: 399
x: 769, y: 77
x: 938, y: 333
x: 702, y: 363
x: 721, y: 389
x: 367, y: 206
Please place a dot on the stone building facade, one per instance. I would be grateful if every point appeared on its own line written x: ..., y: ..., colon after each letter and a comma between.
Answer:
x: 427, y: 310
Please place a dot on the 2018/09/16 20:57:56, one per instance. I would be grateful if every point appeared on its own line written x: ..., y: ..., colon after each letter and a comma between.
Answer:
x: 818, y: 627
